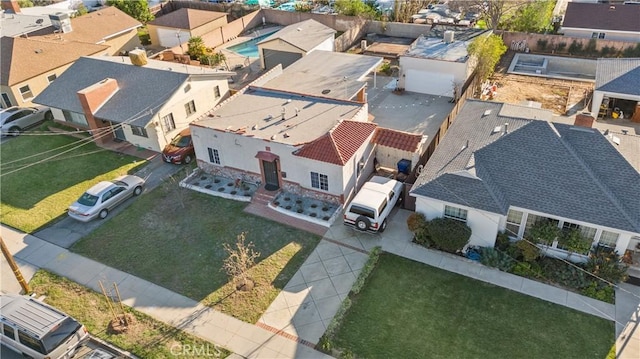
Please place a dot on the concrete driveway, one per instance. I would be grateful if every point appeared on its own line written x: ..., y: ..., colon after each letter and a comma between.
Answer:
x: 67, y: 231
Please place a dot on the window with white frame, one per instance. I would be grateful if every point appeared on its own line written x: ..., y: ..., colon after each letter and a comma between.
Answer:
x: 52, y: 77
x: 588, y: 233
x: 320, y: 181
x: 190, y: 107
x: 514, y: 221
x: 455, y: 213
x: 139, y: 131
x: 26, y: 93
x: 214, y: 156
x: 608, y: 239
x: 169, y: 123
x: 75, y: 117
x: 216, y: 92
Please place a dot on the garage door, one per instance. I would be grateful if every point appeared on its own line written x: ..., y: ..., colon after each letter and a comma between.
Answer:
x: 431, y: 83
x: 273, y: 57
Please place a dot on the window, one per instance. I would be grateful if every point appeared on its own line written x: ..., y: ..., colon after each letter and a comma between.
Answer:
x: 601, y: 35
x: 216, y: 92
x: 168, y: 122
x: 514, y: 221
x: 75, y: 117
x: 26, y: 93
x: 30, y: 342
x: 190, y: 107
x: 455, y: 213
x: 588, y: 233
x: 318, y: 180
x: 608, y: 239
x: 214, y: 156
x: 8, y: 332
x: 594, y: 35
x: 139, y: 131
x: 532, y: 219
x: 6, y: 100
x: 52, y: 77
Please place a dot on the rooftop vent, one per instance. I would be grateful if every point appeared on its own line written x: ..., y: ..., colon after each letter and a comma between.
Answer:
x: 326, y: 91
x: 448, y: 36
x: 61, y: 22
x: 486, y: 113
x: 496, y: 129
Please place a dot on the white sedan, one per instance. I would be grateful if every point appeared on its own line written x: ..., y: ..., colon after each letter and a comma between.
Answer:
x: 104, y: 196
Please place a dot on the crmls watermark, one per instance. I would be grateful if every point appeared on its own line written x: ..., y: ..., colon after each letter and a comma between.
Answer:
x: 193, y: 350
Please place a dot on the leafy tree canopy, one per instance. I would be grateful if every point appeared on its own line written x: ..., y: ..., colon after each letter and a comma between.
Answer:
x: 487, y: 50
x: 138, y: 9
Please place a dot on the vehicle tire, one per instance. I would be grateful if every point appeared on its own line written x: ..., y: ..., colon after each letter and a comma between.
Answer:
x: 383, y: 226
x: 14, y: 131
x: 48, y: 116
x: 103, y: 214
x: 187, y: 159
x: 362, y: 223
x: 137, y: 191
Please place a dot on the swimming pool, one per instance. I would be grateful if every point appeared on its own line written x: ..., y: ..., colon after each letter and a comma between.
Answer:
x: 249, y: 48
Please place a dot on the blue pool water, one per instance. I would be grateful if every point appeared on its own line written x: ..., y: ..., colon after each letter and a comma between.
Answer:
x: 248, y: 48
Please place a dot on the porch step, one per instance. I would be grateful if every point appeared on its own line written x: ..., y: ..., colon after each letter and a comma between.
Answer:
x: 263, y: 197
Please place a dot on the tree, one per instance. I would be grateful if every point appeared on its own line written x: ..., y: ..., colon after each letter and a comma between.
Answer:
x: 402, y: 10
x: 493, y: 12
x: 196, y: 48
x: 81, y: 9
x: 356, y: 8
x: 535, y: 16
x: 138, y: 9
x: 241, y: 258
x: 25, y: 3
x: 487, y: 51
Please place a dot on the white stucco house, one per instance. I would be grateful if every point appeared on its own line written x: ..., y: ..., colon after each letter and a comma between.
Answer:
x: 145, y: 104
x: 615, y: 21
x: 617, y: 86
x: 497, y: 169
x: 438, y: 63
x: 295, y: 41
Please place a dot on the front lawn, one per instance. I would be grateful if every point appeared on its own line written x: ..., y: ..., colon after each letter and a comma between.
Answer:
x: 41, y: 175
x: 411, y: 310
x: 145, y: 337
x: 173, y: 237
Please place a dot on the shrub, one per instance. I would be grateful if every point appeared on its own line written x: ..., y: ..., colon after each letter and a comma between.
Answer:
x: 606, y: 264
x: 386, y: 68
x: 528, y: 250
x: 590, y: 49
x: 448, y: 234
x: 573, y: 240
x: 561, y: 46
x: 544, y: 232
x: 496, y: 259
x: 575, y: 47
x: 605, y: 293
x: 564, y: 274
x: 502, y: 241
x: 528, y: 270
x: 416, y: 221
x: 606, y: 50
x: 542, y: 44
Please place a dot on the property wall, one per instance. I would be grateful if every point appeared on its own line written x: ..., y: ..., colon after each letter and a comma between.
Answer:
x: 435, y: 69
x: 626, y: 36
x: 36, y: 84
x: 484, y: 225
x: 389, y: 157
x: 209, y: 27
x: 531, y: 41
x: 123, y: 42
x: 397, y: 29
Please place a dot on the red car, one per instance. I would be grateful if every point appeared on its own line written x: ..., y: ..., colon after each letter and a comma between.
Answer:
x: 180, y: 149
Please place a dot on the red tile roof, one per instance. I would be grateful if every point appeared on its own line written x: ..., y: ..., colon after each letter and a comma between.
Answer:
x: 397, y: 139
x: 339, y: 144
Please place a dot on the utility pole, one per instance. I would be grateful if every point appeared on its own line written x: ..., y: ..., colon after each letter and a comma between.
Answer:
x: 14, y: 267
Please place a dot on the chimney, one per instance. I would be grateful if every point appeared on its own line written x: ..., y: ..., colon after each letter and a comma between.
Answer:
x: 61, y: 22
x: 10, y: 6
x: 138, y: 57
x: 584, y: 120
x: 91, y: 99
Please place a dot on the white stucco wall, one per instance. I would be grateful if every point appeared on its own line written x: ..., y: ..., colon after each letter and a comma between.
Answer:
x: 434, y: 69
x: 326, y: 45
x: 609, y: 34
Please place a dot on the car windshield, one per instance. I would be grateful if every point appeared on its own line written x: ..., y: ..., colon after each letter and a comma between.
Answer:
x: 181, y: 141
x: 61, y: 333
x: 88, y: 200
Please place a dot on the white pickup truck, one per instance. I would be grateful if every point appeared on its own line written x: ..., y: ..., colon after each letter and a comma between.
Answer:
x: 369, y: 209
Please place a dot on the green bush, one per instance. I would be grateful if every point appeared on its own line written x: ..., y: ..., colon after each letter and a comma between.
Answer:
x: 496, y: 259
x: 544, y: 232
x: 503, y: 242
x: 590, y: 49
x: 416, y: 221
x: 528, y: 270
x: 575, y: 48
x: 528, y: 250
x: 605, y: 293
x: 542, y: 45
x: 386, y: 68
x: 448, y: 234
x: 606, y: 264
x: 564, y: 274
x: 573, y: 240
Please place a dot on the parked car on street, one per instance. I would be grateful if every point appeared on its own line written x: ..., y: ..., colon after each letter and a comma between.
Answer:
x: 104, y: 196
x: 14, y: 120
x: 36, y: 330
x: 369, y: 209
x: 180, y: 149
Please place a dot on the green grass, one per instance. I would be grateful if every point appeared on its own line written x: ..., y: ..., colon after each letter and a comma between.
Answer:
x: 174, y: 237
x: 411, y: 310
x: 39, y: 179
x: 146, y: 337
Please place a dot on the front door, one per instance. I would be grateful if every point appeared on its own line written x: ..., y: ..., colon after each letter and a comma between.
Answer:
x: 118, y: 132
x: 270, y: 175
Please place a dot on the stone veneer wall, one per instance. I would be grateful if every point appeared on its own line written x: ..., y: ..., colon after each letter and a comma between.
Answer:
x: 295, y: 188
x: 229, y: 172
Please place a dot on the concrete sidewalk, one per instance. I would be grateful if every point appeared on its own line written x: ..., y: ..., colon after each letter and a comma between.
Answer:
x: 243, y: 339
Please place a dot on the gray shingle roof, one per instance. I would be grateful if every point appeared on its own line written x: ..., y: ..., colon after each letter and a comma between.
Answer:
x: 304, y: 35
x: 617, y: 17
x: 561, y: 170
x: 140, y: 89
x: 619, y: 75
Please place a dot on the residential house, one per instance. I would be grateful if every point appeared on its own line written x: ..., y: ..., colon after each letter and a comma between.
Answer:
x: 503, y: 167
x: 438, y: 63
x: 295, y: 41
x: 143, y: 102
x: 28, y: 66
x: 619, y: 22
x: 177, y: 27
x: 617, y: 86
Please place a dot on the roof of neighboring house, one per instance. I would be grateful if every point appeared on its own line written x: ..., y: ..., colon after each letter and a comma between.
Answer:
x: 628, y: 145
x: 258, y: 112
x: 304, y: 35
x: 142, y: 90
x: 618, y: 17
x: 339, y: 144
x: 557, y: 169
x: 397, y: 139
x: 432, y: 46
x: 22, y: 59
x: 98, y: 26
x: 619, y: 75
x: 18, y: 24
x: 340, y: 73
x: 187, y: 18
